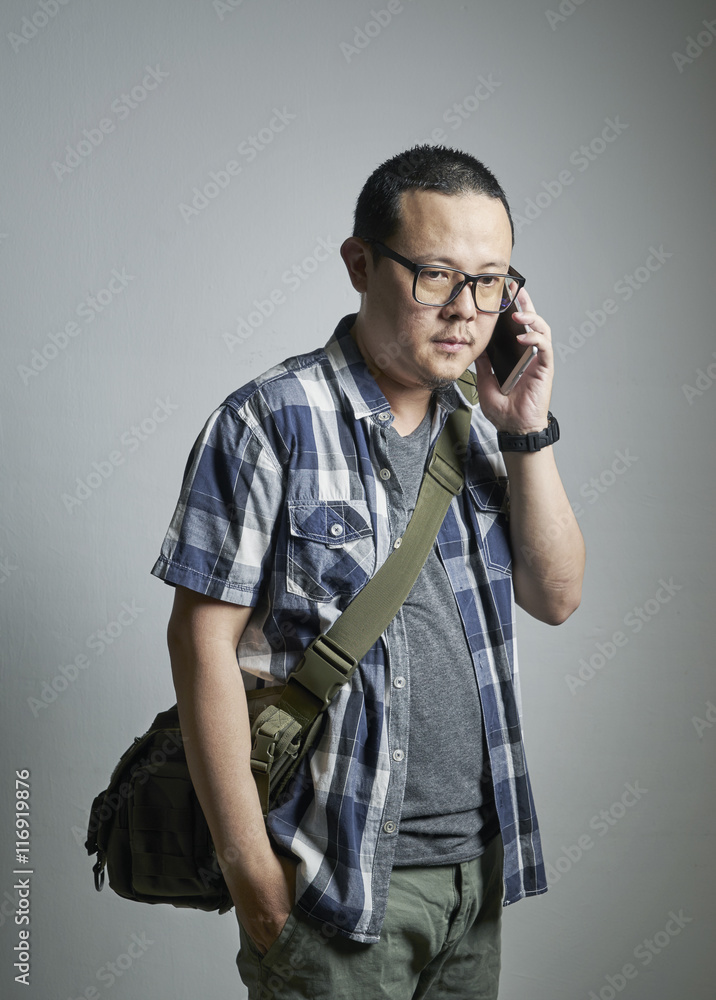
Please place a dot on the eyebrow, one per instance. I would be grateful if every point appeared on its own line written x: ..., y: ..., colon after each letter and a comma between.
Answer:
x: 448, y: 262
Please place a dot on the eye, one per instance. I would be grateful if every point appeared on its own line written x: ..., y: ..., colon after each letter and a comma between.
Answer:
x: 488, y: 280
x: 435, y: 275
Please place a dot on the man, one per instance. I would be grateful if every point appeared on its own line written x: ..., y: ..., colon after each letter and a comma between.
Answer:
x: 384, y: 870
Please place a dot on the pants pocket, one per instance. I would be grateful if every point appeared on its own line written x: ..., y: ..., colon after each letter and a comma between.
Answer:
x: 265, y: 960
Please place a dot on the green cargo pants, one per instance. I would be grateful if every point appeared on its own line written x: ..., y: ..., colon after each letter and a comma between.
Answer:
x: 440, y: 940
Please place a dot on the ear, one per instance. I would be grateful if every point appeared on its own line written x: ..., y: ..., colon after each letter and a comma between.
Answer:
x: 355, y: 254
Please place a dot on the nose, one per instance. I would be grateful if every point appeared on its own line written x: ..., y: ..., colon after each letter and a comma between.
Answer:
x: 463, y: 305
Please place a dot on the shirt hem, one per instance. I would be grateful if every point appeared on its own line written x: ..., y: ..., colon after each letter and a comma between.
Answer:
x: 524, y: 894
x: 177, y: 574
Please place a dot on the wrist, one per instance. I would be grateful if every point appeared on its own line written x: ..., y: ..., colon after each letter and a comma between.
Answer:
x: 527, y: 441
x: 519, y: 430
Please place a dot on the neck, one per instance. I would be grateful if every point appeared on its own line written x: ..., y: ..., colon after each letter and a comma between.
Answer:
x: 408, y: 404
x: 408, y: 410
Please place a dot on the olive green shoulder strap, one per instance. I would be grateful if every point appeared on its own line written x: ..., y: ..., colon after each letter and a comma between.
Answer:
x: 330, y: 660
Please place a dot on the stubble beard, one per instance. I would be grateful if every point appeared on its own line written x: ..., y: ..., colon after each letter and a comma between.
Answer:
x: 435, y: 383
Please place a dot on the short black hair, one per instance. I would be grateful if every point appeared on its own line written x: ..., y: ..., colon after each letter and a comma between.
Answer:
x: 425, y: 168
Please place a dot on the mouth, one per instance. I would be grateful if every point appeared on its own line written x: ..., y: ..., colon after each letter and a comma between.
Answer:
x: 452, y: 344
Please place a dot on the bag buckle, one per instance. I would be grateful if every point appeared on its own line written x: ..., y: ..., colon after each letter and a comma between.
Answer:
x: 273, y: 733
x: 324, y: 669
x: 262, y: 752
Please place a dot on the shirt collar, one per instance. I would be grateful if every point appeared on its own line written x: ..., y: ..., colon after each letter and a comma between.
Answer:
x: 352, y: 372
x: 360, y: 387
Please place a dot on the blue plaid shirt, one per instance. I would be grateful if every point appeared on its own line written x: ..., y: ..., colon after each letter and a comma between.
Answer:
x: 284, y: 508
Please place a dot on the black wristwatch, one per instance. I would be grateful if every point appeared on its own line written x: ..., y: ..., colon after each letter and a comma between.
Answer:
x: 534, y: 441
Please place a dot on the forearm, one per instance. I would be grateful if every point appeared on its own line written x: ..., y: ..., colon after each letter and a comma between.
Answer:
x: 547, y: 547
x: 214, y: 719
x: 203, y: 635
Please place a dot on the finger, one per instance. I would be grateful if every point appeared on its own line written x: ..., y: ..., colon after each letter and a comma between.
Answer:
x: 535, y: 323
x: 534, y: 335
x: 526, y: 318
x: 525, y: 300
x: 541, y: 342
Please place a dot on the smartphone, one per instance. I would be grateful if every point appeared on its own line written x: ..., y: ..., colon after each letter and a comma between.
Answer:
x: 508, y: 357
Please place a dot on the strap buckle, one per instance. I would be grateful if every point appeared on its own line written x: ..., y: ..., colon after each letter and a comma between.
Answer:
x: 275, y: 741
x: 263, y: 751
x: 324, y: 669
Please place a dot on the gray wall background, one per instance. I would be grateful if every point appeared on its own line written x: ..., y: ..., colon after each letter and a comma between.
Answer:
x: 618, y: 697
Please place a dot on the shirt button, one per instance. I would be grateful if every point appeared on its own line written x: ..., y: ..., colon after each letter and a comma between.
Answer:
x: 383, y: 416
x: 399, y: 682
x: 390, y: 826
x: 336, y: 530
x: 398, y: 755
x: 384, y: 473
x: 397, y: 543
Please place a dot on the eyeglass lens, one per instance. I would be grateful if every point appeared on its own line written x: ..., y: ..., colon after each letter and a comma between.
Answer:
x: 493, y: 292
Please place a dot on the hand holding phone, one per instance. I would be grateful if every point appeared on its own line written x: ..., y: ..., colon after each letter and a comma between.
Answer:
x: 508, y: 357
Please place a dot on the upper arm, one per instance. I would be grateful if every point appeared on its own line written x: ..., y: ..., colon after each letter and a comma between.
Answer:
x: 198, y: 621
x: 221, y: 539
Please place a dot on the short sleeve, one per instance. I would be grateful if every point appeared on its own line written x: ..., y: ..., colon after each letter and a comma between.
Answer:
x: 220, y: 538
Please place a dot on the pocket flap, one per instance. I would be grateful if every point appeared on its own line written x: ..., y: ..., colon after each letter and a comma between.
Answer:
x: 490, y: 495
x: 332, y: 522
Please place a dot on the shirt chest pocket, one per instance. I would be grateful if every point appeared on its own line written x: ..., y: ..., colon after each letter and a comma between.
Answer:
x: 331, y: 549
x: 489, y: 501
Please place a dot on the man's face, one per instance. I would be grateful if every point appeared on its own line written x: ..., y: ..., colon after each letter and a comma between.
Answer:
x: 416, y: 345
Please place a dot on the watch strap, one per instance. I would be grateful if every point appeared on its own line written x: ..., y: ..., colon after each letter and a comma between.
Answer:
x: 534, y: 441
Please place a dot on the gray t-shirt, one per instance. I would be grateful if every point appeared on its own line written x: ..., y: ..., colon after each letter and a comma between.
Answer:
x: 449, y: 813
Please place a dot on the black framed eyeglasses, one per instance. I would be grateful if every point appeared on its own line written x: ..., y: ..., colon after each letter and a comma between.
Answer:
x: 435, y: 285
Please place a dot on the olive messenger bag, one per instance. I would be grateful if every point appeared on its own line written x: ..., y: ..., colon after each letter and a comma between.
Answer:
x: 147, y: 828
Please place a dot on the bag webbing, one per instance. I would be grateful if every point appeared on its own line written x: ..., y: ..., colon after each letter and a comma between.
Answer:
x: 330, y: 660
